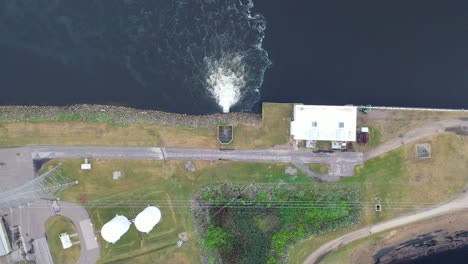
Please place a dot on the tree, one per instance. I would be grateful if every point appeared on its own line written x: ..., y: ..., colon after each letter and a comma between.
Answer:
x: 217, y: 238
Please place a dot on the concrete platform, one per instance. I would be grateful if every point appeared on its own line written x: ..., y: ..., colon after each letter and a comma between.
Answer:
x: 16, y: 167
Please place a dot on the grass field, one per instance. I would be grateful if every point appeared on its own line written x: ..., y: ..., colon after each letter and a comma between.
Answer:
x: 54, y: 227
x: 391, y: 123
x: 166, y: 184
x: 403, y: 183
x: 274, y: 130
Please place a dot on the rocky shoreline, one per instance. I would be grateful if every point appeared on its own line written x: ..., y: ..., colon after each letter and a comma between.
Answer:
x: 424, y: 245
x: 119, y: 115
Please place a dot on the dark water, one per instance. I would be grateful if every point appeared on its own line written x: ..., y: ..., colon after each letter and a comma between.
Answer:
x: 408, y: 53
x: 457, y: 256
x: 196, y: 56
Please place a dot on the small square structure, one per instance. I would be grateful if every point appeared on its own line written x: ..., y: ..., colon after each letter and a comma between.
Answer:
x: 225, y: 134
x: 423, y: 151
x: 324, y: 123
x: 86, y: 165
x: 378, y: 207
x: 65, y: 239
x: 116, y: 175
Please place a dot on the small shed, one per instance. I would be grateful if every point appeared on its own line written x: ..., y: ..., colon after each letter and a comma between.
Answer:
x: 86, y: 165
x: 363, y: 137
x: 65, y: 239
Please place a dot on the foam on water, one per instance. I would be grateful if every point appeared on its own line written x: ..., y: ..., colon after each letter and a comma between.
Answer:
x: 225, y: 79
x: 202, y: 54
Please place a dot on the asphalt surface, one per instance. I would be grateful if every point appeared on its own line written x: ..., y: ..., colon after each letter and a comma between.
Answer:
x: 33, y: 218
x: 16, y: 167
x: 341, y: 163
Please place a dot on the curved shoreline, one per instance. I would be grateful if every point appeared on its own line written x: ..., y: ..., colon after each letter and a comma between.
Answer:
x: 122, y: 115
x: 423, y: 239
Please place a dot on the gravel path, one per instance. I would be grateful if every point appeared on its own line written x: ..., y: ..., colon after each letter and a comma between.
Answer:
x: 454, y: 125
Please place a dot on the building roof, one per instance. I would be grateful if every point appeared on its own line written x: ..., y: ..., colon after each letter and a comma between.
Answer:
x: 321, y: 122
x: 113, y: 230
x: 66, y: 241
x: 147, y: 219
x: 42, y: 251
x: 5, y: 246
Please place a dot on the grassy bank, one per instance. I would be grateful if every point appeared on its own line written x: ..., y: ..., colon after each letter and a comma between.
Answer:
x: 391, y: 123
x: 402, y: 183
x: 56, y: 226
x: 363, y: 250
x: 73, y: 131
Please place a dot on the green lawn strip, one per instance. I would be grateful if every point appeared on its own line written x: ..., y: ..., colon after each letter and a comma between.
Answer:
x: 103, y: 130
x: 54, y: 227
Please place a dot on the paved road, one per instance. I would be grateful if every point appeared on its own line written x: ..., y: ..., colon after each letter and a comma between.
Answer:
x: 414, y: 135
x: 16, y: 167
x: 341, y: 163
x: 33, y: 218
x: 95, y: 152
x: 460, y: 203
x: 267, y: 155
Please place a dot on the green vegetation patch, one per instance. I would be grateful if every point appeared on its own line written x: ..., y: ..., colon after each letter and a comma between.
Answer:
x: 98, y: 118
x: 258, y: 223
x: 54, y: 227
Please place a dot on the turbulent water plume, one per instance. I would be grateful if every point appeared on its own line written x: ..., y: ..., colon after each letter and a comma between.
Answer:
x: 225, y: 79
x: 203, y: 54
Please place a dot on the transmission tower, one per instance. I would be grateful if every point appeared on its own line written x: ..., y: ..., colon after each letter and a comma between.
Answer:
x: 47, y: 186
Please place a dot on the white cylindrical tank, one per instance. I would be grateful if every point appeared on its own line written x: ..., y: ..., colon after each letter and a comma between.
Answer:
x: 113, y: 230
x: 147, y: 219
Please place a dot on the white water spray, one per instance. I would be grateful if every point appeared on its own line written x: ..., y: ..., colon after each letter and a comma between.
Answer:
x: 225, y: 79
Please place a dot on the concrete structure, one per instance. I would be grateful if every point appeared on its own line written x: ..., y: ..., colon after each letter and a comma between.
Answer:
x: 42, y: 251
x: 86, y: 165
x: 5, y: 247
x: 65, y: 239
x: 324, y: 123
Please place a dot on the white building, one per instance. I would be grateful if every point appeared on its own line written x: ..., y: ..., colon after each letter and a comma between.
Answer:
x: 324, y: 123
x: 5, y: 246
